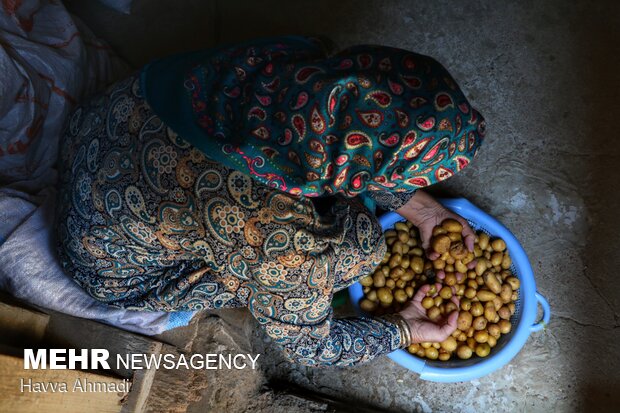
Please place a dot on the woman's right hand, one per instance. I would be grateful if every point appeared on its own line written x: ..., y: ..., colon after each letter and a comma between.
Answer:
x: 422, y: 328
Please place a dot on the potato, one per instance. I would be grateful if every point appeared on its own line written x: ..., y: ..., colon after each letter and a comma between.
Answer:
x: 445, y: 293
x: 481, y: 336
x: 504, y: 313
x: 494, y: 330
x: 400, y: 295
x: 471, y: 342
x: 396, y: 273
x: 450, y: 279
x: 404, y: 262
x: 395, y: 260
x: 464, y: 352
x: 417, y: 264
x: 449, y: 268
x: 444, y: 356
x: 496, y: 258
x: 414, y: 348
x: 401, y: 226
x: 460, y: 267
x: 403, y: 236
x: 427, y: 302
x: 372, y: 296
x: 477, y: 251
x: 483, y: 350
x: 368, y: 305
x: 385, y: 295
x: 514, y: 283
x: 504, y: 326
x: 421, y: 353
x: 450, y: 307
x: 483, y: 241
x: 431, y: 353
x: 366, y: 281
x: 479, y: 323
x: 449, y: 344
x: 512, y: 308
x: 439, y: 264
x: 464, y: 320
x: 470, y: 292
x: 410, y: 291
x: 489, y: 311
x: 481, y: 266
x: 434, y: 313
x: 408, y: 275
x: 425, y: 344
x: 506, y: 261
x: 506, y: 293
x: 452, y: 225
x: 459, y: 289
x: 476, y: 309
x: 458, y: 251
x: 439, y: 231
x: 378, y: 279
x: 454, y: 236
x: 465, y: 304
x: 440, y: 243
x: 417, y: 251
x: 438, y: 300
x: 485, y: 295
x: 490, y: 280
x: 390, y: 283
x: 498, y: 245
x: 492, y: 341
x: 461, y: 337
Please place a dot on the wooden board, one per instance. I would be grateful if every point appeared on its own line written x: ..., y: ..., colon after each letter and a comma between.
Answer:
x: 21, y: 326
x: 14, y: 400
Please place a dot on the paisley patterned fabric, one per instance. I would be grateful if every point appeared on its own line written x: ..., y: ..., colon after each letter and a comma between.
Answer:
x: 369, y: 118
x: 146, y: 221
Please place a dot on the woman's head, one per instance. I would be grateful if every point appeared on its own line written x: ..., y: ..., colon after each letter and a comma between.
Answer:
x: 367, y: 118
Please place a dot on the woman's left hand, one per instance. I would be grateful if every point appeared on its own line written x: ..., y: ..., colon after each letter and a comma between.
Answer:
x: 426, y: 213
x: 422, y: 328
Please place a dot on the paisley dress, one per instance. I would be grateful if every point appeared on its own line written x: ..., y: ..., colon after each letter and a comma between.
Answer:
x: 148, y: 222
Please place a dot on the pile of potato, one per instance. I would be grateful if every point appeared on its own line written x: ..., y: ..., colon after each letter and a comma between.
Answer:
x: 481, y: 281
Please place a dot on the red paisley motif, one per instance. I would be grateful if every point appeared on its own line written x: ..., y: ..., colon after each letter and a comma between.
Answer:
x: 299, y: 125
x: 381, y: 98
x: 317, y: 122
x: 370, y: 118
x: 356, y: 139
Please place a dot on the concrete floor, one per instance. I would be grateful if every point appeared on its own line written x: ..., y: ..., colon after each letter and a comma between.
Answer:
x: 546, y: 75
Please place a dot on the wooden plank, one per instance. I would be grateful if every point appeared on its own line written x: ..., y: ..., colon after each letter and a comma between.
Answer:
x: 16, y: 397
x: 65, y: 331
x: 21, y: 326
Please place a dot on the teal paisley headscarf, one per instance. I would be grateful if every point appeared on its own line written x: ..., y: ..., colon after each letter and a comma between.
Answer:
x: 369, y: 118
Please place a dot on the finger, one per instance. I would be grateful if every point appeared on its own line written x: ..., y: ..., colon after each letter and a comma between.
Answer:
x: 419, y: 296
x: 450, y: 326
x: 441, y: 274
x: 469, y: 242
x: 468, y: 233
x: 432, y: 255
x: 455, y: 299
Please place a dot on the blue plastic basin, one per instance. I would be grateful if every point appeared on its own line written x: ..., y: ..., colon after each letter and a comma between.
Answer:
x: 523, y: 321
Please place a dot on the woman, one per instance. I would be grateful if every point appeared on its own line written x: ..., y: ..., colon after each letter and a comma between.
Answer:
x: 239, y: 176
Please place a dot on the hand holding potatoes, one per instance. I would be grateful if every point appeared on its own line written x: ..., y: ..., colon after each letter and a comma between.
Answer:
x: 427, y: 214
x: 428, y: 325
